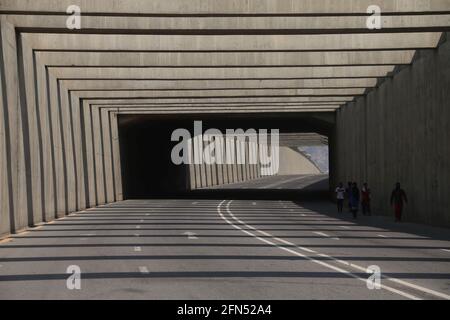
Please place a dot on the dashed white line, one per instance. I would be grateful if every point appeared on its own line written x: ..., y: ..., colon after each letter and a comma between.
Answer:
x: 137, y: 249
x: 136, y: 234
x: 143, y: 269
x: 191, y: 235
x: 327, y: 265
x: 446, y: 250
x: 404, y: 283
x: 322, y: 234
x: 345, y: 227
x: 381, y: 235
x: 138, y: 227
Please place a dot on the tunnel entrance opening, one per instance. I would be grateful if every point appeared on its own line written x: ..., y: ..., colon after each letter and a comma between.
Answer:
x: 148, y: 171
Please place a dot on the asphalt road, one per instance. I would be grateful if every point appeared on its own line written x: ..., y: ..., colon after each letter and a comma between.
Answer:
x: 313, y: 182
x: 224, y: 249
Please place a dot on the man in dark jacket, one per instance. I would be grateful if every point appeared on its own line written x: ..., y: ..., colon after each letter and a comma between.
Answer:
x: 398, y: 199
x: 354, y: 200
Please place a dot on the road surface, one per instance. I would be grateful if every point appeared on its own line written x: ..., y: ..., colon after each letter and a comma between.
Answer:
x: 224, y: 249
x: 308, y: 182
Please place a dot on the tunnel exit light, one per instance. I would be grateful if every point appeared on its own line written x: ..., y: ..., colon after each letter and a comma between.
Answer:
x: 236, y: 146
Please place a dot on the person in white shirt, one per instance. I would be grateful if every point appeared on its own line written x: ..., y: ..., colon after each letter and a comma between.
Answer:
x: 340, y: 195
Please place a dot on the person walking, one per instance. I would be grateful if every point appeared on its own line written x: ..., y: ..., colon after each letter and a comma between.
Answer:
x: 340, y: 196
x: 398, y: 200
x: 354, y: 200
x: 348, y: 192
x: 365, y: 199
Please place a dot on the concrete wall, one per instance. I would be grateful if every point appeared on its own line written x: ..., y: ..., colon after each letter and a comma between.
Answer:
x: 401, y: 132
x: 290, y: 162
x: 56, y: 153
x: 208, y: 175
x: 294, y: 162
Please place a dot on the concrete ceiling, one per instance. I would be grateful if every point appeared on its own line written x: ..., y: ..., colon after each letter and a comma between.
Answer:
x: 219, y: 56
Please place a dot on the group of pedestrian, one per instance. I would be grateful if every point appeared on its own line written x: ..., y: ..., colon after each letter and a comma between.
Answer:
x: 356, y: 198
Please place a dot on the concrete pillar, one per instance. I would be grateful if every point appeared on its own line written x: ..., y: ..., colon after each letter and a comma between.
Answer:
x: 90, y: 154
x: 48, y: 146
x: 198, y: 179
x: 67, y: 130
x: 34, y: 157
x: 5, y: 192
x: 107, y: 155
x: 219, y: 171
x: 213, y: 168
x: 79, y: 151
x: 99, y: 158
x: 116, y: 156
x: 247, y: 161
x: 14, y: 142
x: 59, y: 149
x: 225, y: 173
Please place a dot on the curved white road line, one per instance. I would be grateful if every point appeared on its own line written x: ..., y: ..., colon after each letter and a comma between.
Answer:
x: 357, y: 267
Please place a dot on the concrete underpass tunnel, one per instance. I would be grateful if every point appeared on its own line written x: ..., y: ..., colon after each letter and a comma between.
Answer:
x: 148, y: 170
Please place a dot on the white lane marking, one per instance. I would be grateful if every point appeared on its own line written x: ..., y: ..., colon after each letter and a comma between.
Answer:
x: 446, y: 250
x: 254, y: 203
x: 147, y: 214
x: 143, y: 269
x: 136, y: 234
x: 195, y: 202
x: 292, y: 244
x: 407, y: 295
x: 381, y: 235
x: 83, y: 239
x: 138, y: 227
x: 191, y: 235
x: 87, y: 234
x: 323, y: 234
x: 137, y: 249
x: 345, y: 227
x: 142, y: 220
x: 404, y: 283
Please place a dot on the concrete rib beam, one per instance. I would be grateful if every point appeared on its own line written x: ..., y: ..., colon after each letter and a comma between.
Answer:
x: 224, y: 73
x: 225, y: 59
x: 258, y: 42
x: 220, y: 100
x: 94, y: 84
x: 220, y: 93
x: 226, y: 110
x: 180, y: 7
x: 233, y: 24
